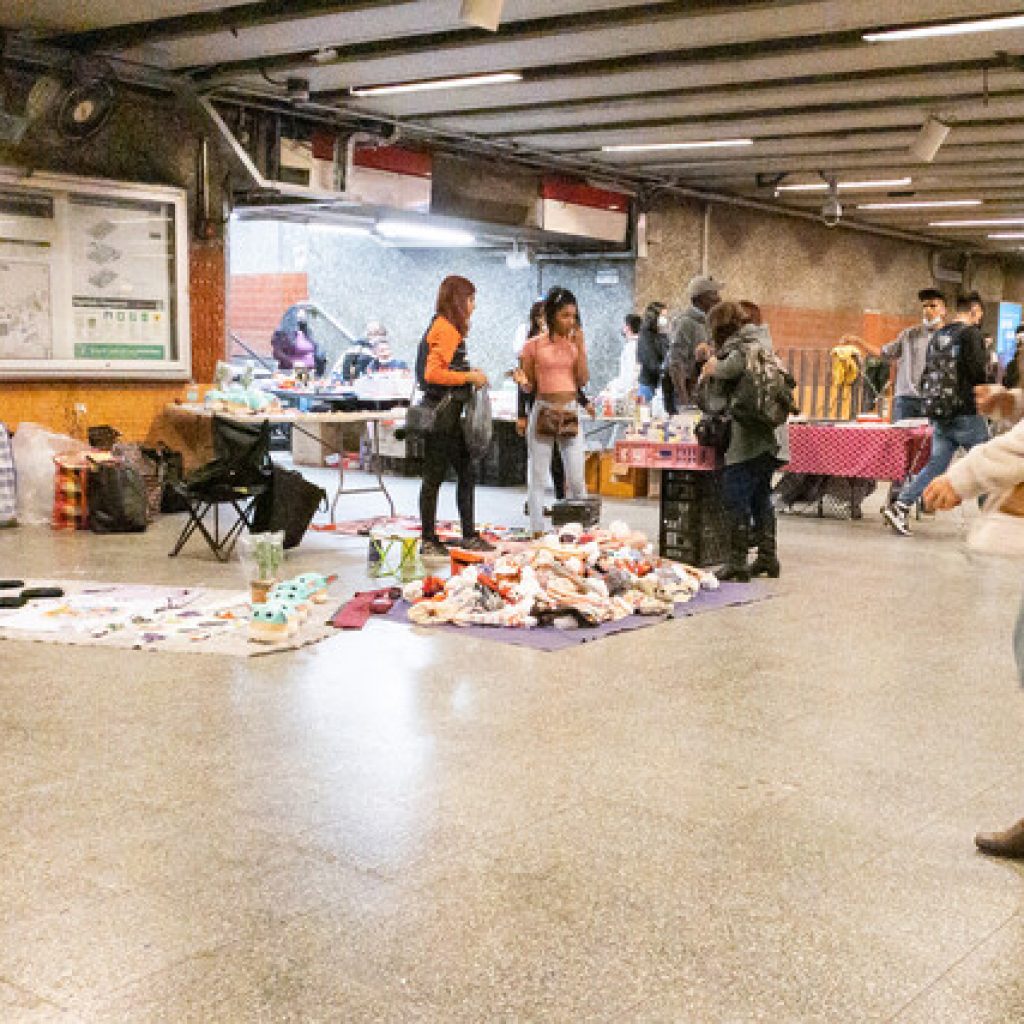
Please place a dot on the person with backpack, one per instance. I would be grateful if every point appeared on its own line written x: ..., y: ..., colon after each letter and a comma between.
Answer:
x: 444, y: 373
x: 909, y: 351
x: 731, y: 383
x: 955, y: 364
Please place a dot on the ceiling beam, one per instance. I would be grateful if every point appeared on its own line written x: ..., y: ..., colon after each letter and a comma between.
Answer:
x: 226, y: 19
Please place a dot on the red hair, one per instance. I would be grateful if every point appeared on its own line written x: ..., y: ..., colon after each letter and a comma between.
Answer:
x: 453, y: 300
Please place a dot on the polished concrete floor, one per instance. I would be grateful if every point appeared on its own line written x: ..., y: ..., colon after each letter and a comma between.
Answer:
x: 764, y: 814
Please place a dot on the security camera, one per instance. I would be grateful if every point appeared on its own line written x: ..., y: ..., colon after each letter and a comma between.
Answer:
x: 298, y: 90
x: 831, y: 211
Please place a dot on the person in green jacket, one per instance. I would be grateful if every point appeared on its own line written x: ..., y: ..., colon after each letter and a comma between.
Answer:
x: 752, y: 456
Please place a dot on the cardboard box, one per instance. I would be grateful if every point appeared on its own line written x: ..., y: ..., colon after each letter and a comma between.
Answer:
x: 592, y: 472
x: 334, y: 437
x: 618, y: 481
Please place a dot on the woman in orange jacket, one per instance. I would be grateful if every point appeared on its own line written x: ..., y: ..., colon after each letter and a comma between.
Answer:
x: 446, y: 380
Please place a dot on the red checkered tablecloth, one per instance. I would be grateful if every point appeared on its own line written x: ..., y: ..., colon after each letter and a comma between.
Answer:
x: 868, y: 450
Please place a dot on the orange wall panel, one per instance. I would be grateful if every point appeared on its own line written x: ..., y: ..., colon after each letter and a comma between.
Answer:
x: 257, y: 301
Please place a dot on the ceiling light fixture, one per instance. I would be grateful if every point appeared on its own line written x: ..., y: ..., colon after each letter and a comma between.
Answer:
x: 864, y: 186
x: 484, y: 14
x: 998, y: 223
x: 922, y: 204
x: 340, y: 229
x: 648, y: 147
x: 430, y: 84
x: 929, y: 140
x: 954, y: 28
x: 417, y: 232
x: 1007, y: 235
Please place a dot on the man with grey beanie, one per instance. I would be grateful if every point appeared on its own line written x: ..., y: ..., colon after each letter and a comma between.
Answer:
x: 691, y: 332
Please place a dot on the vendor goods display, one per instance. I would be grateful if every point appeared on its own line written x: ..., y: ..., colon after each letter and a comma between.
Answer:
x: 178, y: 620
x: 568, y: 579
x: 288, y: 604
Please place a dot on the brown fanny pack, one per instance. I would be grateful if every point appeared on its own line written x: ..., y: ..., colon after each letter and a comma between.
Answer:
x: 555, y: 422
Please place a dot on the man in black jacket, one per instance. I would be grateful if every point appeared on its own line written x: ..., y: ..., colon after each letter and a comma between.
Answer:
x: 965, y: 428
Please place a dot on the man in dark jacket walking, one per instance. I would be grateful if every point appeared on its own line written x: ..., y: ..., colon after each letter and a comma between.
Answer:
x: 965, y: 428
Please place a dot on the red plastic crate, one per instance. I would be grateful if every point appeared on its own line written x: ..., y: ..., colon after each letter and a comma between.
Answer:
x: 665, y: 455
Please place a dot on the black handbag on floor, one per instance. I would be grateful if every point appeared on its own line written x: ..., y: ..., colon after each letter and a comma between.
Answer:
x: 289, y: 506
x: 116, y: 499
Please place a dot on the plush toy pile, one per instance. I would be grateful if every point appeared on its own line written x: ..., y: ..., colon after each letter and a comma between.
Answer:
x: 567, y: 579
x: 288, y: 605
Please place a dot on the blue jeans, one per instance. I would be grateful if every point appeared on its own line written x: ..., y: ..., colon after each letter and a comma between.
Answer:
x: 907, y: 407
x: 573, y: 451
x: 947, y: 436
x: 747, y: 491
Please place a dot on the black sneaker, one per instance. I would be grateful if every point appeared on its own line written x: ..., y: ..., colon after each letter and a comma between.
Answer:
x: 897, y: 515
x: 475, y: 543
x: 432, y: 550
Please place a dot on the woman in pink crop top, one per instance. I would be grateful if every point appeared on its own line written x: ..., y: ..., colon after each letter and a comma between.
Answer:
x: 554, y: 368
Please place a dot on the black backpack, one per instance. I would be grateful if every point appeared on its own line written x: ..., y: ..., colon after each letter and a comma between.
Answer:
x: 763, y: 393
x: 940, y: 382
x: 116, y: 499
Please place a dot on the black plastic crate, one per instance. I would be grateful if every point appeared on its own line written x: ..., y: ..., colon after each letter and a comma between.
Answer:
x: 694, y: 525
x: 585, y: 511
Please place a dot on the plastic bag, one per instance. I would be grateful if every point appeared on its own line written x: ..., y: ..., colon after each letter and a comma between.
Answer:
x: 34, y: 450
x: 476, y: 422
x: 262, y: 554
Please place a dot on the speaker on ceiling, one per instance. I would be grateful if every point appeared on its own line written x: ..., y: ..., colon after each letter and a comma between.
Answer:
x: 482, y: 13
x: 929, y: 140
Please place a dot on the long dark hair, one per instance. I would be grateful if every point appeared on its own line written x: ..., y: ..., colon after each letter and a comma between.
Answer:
x: 453, y: 301
x: 536, y: 318
x: 651, y: 314
x: 557, y: 299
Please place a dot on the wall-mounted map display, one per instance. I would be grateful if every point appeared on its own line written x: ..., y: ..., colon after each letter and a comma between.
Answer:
x: 91, y: 283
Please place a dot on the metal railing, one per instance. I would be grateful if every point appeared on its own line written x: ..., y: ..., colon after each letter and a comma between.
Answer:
x: 819, y: 397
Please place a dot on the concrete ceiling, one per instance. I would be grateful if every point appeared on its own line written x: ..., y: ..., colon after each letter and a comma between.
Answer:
x: 795, y: 76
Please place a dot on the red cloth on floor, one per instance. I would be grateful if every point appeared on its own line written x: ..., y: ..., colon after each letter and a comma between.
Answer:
x: 353, y: 614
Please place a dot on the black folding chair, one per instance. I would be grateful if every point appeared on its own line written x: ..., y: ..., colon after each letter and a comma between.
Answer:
x: 238, y: 475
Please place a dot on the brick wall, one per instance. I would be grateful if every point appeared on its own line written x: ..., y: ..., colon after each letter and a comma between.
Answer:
x: 795, y: 328
x: 256, y: 302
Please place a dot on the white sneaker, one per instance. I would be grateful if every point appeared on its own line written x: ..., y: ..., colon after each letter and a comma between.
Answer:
x: 897, y: 515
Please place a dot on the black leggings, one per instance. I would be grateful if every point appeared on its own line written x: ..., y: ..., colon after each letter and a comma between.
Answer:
x: 446, y: 447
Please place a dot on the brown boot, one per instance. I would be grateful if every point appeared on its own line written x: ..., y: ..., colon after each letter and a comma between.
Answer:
x: 1003, y: 844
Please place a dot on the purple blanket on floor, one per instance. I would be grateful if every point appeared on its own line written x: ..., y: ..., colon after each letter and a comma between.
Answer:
x: 550, y: 639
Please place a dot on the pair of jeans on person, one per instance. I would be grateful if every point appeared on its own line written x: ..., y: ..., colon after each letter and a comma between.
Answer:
x: 947, y: 436
x: 747, y: 491
x: 573, y: 452
x: 444, y: 447
x: 907, y: 407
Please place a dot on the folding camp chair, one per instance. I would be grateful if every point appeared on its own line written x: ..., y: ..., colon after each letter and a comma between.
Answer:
x: 237, y: 476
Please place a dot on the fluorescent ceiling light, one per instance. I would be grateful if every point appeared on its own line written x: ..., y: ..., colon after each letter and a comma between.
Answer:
x: 822, y: 186
x: 1007, y: 235
x: 428, y: 85
x: 340, y: 229
x: 1008, y: 221
x: 424, y: 232
x: 651, y: 146
x: 956, y: 28
x: 922, y: 204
